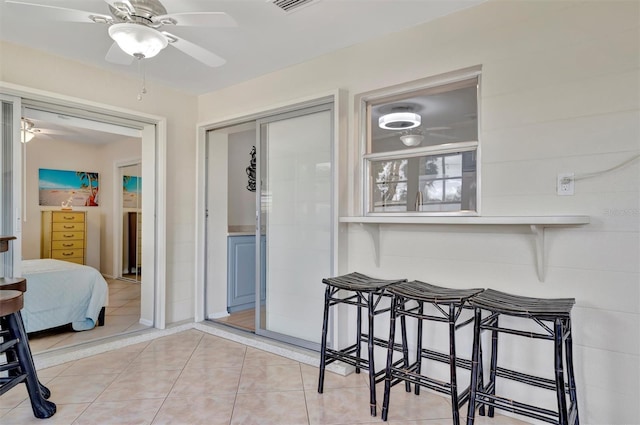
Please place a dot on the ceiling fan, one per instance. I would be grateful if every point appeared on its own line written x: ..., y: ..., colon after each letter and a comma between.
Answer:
x: 138, y: 28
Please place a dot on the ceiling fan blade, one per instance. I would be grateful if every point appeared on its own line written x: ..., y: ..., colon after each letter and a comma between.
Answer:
x: 64, y: 14
x: 117, y: 55
x: 199, y: 53
x: 197, y: 19
x: 124, y: 6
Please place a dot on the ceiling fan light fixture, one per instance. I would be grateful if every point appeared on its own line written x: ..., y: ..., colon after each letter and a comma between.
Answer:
x: 138, y: 40
x: 412, y: 139
x: 27, y: 132
x: 399, y: 121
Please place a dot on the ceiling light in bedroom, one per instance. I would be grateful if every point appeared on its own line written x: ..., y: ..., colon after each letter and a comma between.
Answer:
x: 27, y: 131
x: 399, y: 121
x: 139, y: 41
x: 412, y: 139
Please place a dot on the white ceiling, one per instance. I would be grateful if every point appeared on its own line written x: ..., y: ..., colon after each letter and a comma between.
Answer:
x: 266, y: 38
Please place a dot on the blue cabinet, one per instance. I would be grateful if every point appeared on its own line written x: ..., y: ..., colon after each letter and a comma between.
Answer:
x: 241, y: 272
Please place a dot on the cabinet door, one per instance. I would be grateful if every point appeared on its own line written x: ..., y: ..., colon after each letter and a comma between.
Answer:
x: 241, y: 272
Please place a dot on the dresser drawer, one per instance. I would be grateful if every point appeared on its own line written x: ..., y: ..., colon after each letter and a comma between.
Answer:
x: 66, y: 236
x: 67, y: 217
x: 65, y: 254
x: 70, y: 244
x: 67, y: 227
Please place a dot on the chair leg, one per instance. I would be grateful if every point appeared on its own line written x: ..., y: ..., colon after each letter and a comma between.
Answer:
x: 41, y: 407
x: 323, y: 347
x: 559, y: 372
x: 475, y: 367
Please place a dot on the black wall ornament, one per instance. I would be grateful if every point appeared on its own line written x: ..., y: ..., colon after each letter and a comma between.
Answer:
x: 251, y: 171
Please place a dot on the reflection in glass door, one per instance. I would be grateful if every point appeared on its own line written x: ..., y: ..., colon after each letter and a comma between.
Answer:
x: 294, y: 220
x: 132, y: 222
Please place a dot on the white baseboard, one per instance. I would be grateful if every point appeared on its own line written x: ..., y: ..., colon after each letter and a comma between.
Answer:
x: 218, y: 315
x: 146, y: 322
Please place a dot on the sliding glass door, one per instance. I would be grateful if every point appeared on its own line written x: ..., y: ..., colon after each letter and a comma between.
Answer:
x: 294, y: 216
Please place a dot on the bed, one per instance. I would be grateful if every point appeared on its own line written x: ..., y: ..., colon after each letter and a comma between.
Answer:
x: 60, y: 292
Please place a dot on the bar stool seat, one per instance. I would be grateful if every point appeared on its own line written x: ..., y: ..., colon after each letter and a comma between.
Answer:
x: 363, y: 292
x: 553, y: 315
x: 18, y: 362
x: 409, y: 299
x: 13, y: 283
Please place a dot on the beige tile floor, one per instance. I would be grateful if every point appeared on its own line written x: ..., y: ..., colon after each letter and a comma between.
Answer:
x: 192, y: 377
x: 122, y: 315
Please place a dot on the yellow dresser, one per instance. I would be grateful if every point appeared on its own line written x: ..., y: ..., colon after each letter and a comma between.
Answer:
x: 64, y: 235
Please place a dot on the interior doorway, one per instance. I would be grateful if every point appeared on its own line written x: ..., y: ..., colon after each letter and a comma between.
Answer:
x: 269, y: 222
x: 151, y: 131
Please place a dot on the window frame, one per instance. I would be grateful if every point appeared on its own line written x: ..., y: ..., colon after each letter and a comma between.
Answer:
x: 363, y: 118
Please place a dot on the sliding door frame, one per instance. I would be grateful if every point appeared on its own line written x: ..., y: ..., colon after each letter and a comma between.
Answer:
x: 339, y: 198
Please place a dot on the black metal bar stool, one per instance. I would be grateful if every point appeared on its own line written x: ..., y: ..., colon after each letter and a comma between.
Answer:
x: 554, y: 318
x: 19, y: 363
x: 409, y: 299
x: 364, y: 292
x: 18, y: 284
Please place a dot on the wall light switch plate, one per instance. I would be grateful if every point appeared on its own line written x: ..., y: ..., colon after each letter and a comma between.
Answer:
x: 565, y: 184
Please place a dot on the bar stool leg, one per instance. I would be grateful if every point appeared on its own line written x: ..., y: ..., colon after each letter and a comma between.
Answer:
x: 323, y: 347
x: 370, y: 346
x: 11, y: 357
x: 452, y: 364
x: 570, y: 374
x: 405, y: 349
x: 494, y: 363
x: 558, y: 362
x: 359, y: 331
x: 41, y: 407
x: 475, y: 366
x: 419, y: 346
x: 387, y: 378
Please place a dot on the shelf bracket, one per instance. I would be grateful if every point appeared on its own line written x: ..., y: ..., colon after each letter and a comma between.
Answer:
x: 374, y: 231
x: 541, y: 263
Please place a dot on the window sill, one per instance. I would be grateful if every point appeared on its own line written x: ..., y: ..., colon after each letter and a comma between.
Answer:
x: 537, y: 224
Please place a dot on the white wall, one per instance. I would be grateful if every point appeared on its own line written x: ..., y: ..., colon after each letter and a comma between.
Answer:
x: 41, y: 71
x: 559, y: 92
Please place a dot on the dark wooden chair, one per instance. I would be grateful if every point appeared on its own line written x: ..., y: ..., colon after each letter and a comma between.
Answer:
x: 554, y: 319
x: 409, y: 300
x: 366, y: 294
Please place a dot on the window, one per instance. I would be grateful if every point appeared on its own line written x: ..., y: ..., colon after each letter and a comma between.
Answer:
x: 421, y: 150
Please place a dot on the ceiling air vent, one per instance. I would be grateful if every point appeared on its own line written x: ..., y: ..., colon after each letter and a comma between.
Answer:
x: 291, y: 5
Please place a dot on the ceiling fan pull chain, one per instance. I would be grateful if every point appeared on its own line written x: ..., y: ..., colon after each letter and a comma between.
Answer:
x: 141, y: 69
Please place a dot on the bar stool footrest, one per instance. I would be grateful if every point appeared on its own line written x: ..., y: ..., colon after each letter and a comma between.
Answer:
x: 7, y: 383
x: 513, y: 406
x: 546, y: 383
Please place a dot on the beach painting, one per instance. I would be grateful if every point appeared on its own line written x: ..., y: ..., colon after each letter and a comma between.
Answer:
x: 131, y: 191
x: 62, y: 188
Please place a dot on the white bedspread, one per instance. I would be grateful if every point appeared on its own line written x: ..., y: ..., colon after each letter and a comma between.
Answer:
x: 60, y: 292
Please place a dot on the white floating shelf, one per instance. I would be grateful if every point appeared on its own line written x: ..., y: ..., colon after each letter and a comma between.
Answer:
x: 537, y: 224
